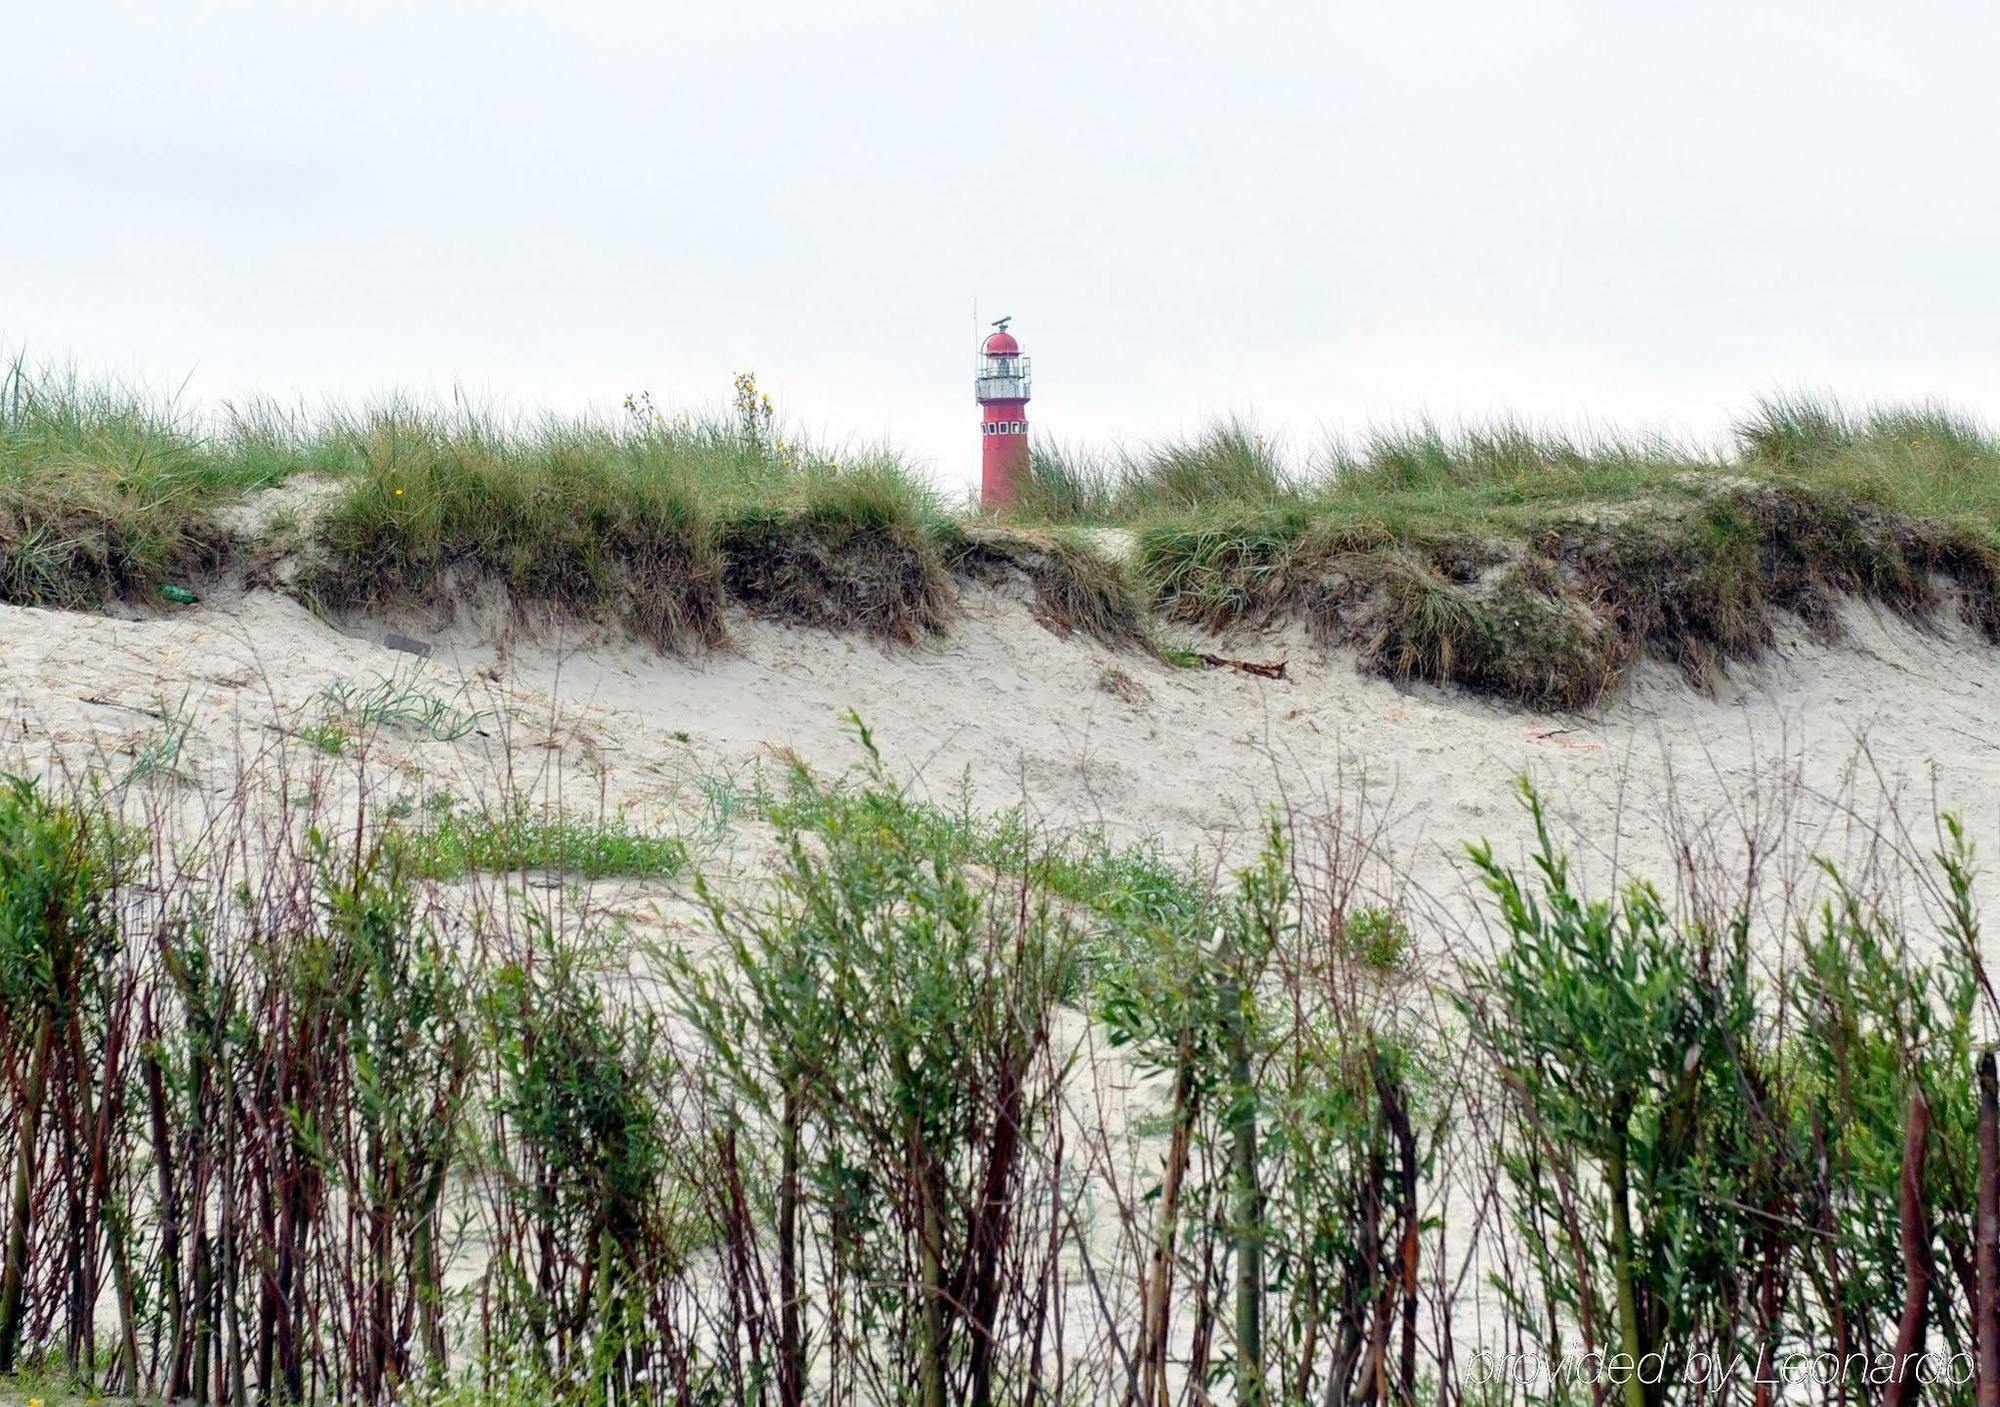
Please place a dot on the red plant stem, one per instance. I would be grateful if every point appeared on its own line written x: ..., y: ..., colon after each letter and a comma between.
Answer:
x: 1902, y: 1388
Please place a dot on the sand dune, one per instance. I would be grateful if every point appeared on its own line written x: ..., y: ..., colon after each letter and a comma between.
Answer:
x: 1006, y: 712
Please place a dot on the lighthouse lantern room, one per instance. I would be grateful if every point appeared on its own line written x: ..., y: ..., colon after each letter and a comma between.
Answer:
x: 1001, y: 387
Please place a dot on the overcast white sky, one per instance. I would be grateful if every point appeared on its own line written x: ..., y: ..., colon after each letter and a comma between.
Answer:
x: 1326, y: 215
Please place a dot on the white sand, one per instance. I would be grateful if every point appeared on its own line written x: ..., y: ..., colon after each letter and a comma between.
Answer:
x: 1074, y: 731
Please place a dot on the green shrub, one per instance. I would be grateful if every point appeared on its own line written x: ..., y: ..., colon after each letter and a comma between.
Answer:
x: 880, y: 1031
x: 59, y: 951
x: 589, y: 1227
x: 1377, y: 938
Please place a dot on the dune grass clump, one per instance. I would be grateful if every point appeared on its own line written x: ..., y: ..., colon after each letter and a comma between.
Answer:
x: 1218, y: 571
x: 66, y: 544
x: 1705, y: 588
x: 1538, y: 568
x: 650, y: 521
x: 656, y: 527
x: 1228, y: 462
x: 1970, y: 559
x: 1065, y: 484
x: 562, y: 521
x: 1515, y: 639
x: 1425, y: 467
x: 402, y: 699
x: 1552, y: 614
x: 458, y: 842
x: 103, y: 496
x: 1077, y: 586
x: 1806, y: 431
x: 859, y: 551
x: 1927, y: 460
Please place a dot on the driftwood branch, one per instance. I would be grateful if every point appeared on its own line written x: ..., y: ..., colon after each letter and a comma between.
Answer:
x: 1263, y: 669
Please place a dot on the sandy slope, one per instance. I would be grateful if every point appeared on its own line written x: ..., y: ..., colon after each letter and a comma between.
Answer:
x: 1806, y: 753
x: 1813, y: 736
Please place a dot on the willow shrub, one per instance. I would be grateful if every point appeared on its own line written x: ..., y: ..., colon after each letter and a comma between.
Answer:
x: 880, y: 1044
x: 58, y: 962
x: 1706, y: 1167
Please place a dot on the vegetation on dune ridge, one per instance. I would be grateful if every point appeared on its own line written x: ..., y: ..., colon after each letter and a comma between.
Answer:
x: 653, y: 521
x: 1512, y: 562
x: 657, y: 523
x: 102, y: 496
x: 1537, y: 568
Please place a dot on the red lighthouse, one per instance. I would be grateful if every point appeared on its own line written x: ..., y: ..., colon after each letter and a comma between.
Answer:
x: 1001, y: 388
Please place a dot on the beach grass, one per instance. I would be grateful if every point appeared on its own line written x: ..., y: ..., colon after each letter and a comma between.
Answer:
x: 1538, y: 566
x: 651, y: 520
x: 458, y: 841
x: 1506, y: 558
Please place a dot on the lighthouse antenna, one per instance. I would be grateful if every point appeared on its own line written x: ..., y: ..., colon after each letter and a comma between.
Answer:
x: 1002, y: 323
